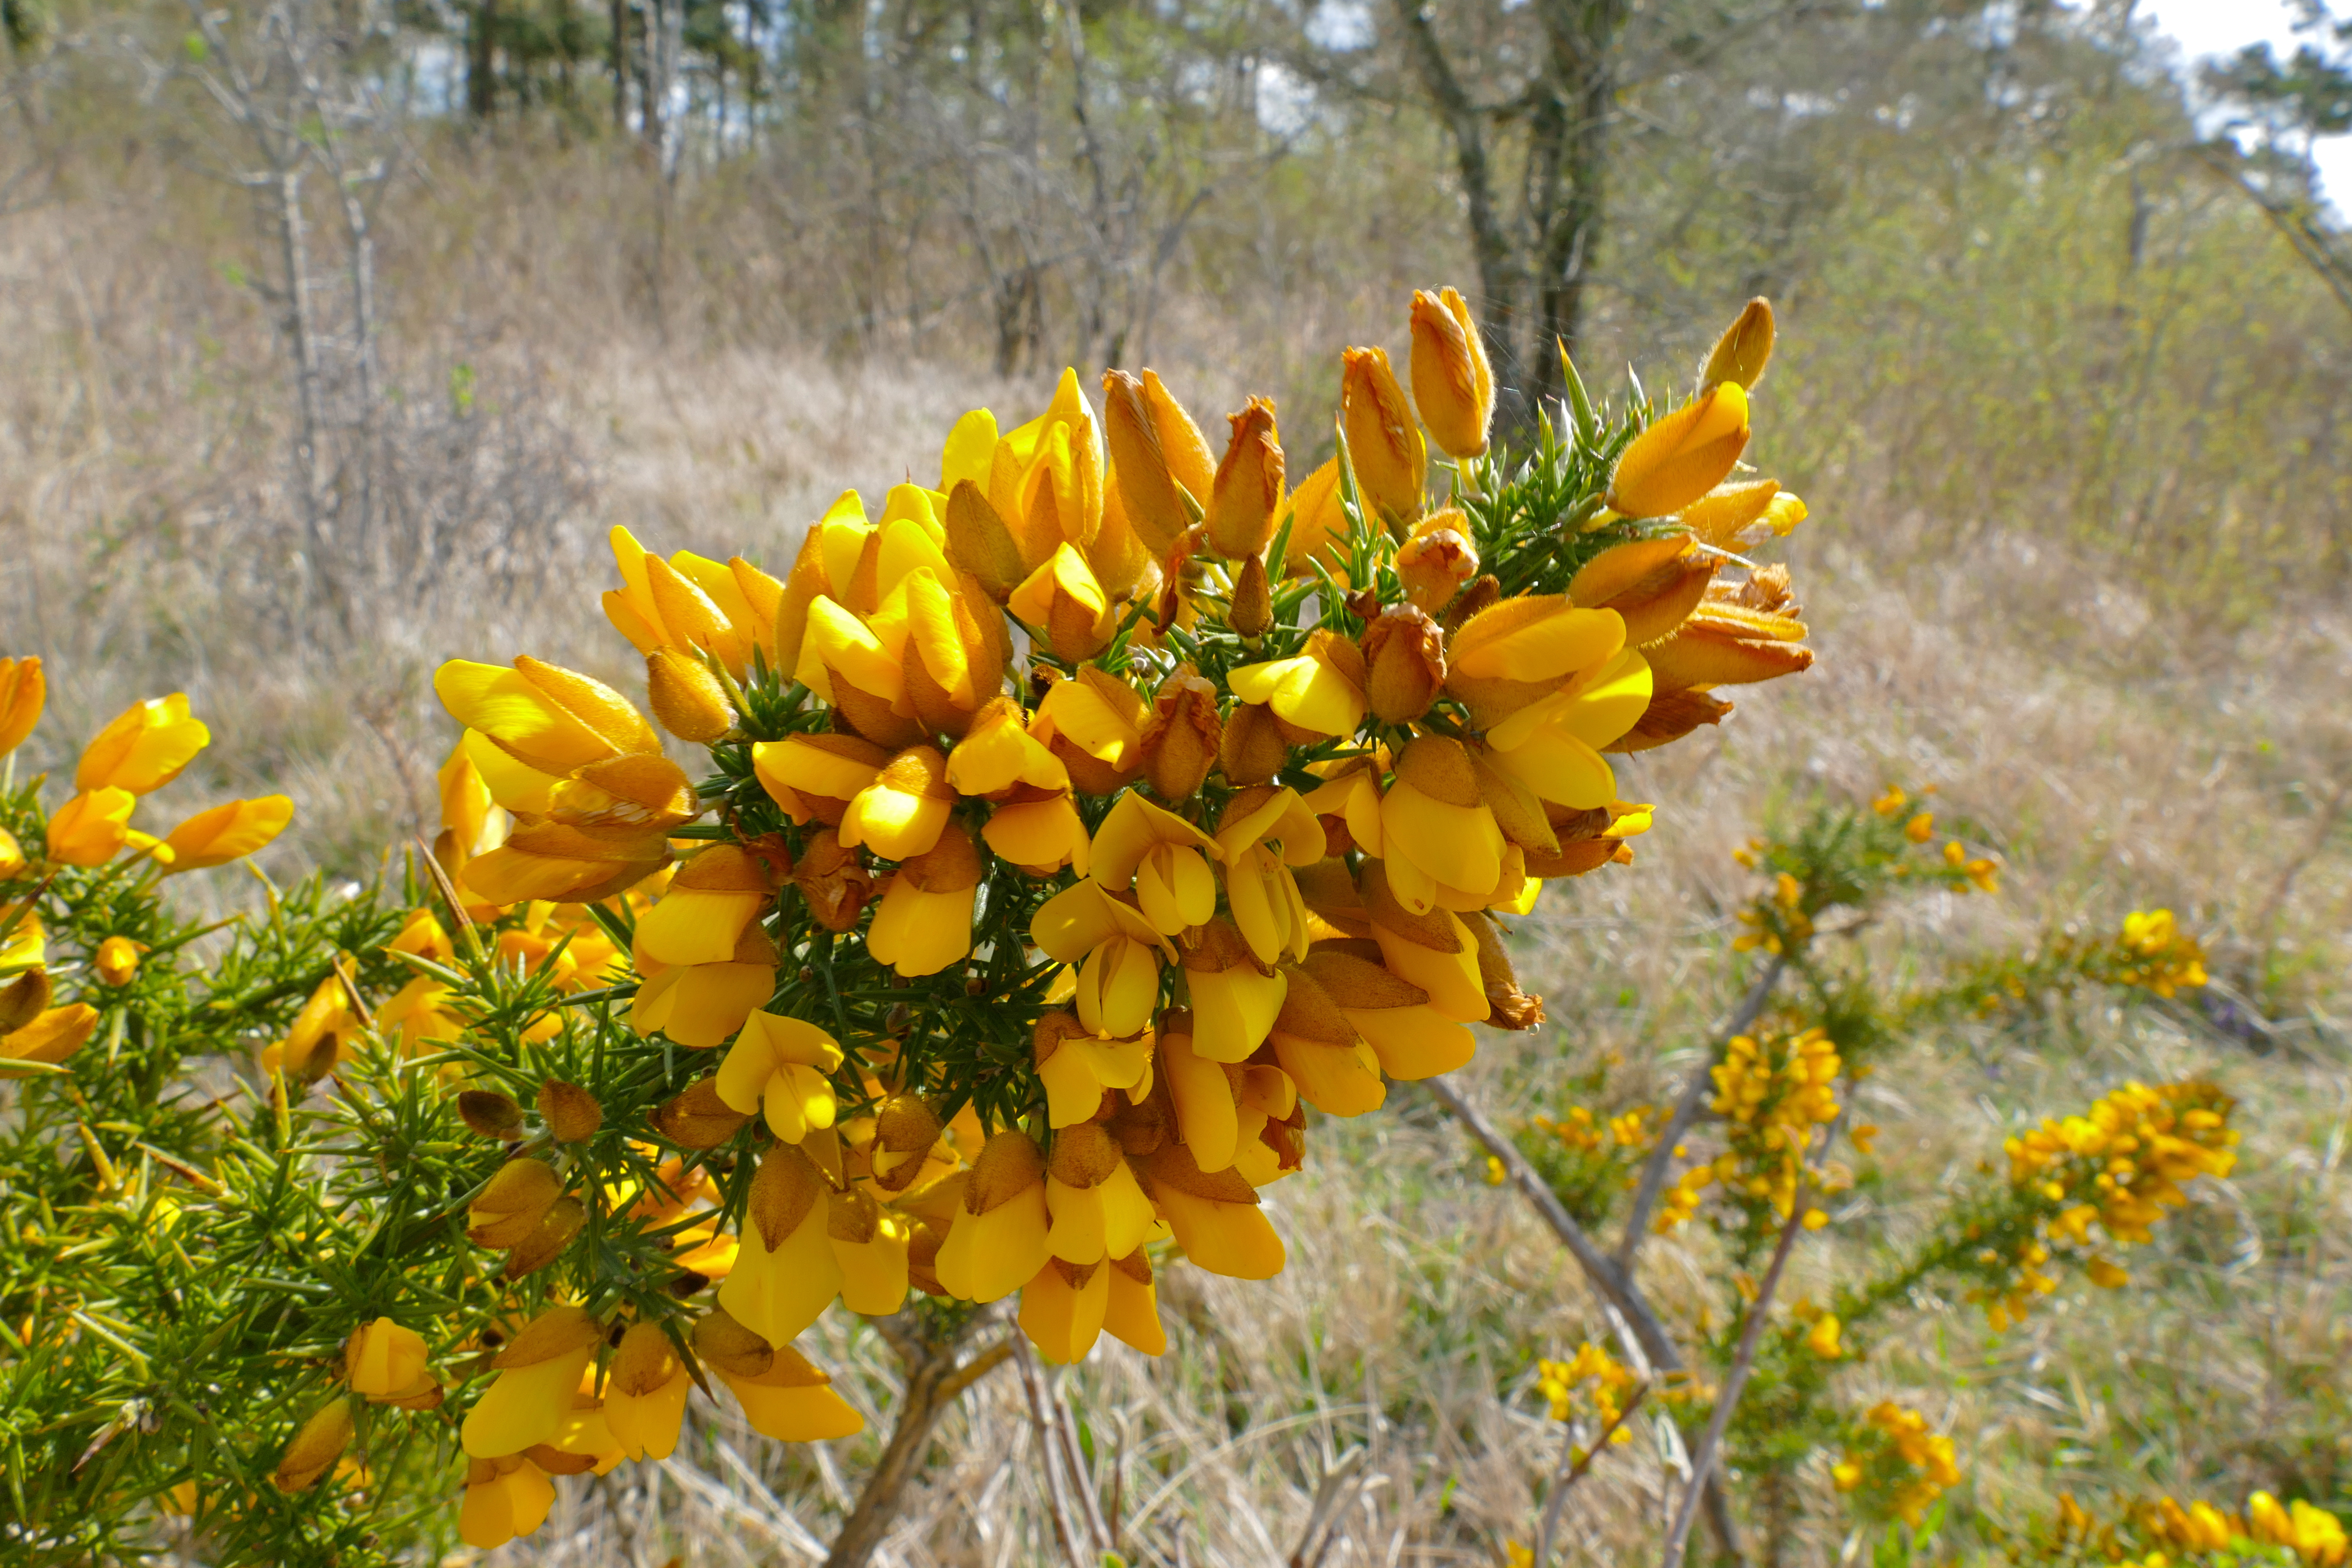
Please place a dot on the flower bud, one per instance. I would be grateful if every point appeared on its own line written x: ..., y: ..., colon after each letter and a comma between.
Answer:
x: 1248, y: 484
x: 1437, y: 560
x: 1181, y: 739
x: 511, y: 1205
x: 385, y: 1362
x: 490, y: 1114
x: 1160, y: 504
x: 1251, y: 610
x: 315, y: 1448
x: 1682, y: 456
x: 698, y: 1116
x: 1252, y: 750
x: 833, y: 880
x: 92, y: 827
x: 1404, y: 660
x: 23, y: 689
x: 570, y: 1112
x: 1451, y: 385
x: 686, y: 697
x: 1654, y: 584
x: 1744, y: 350
x: 1383, y: 444
x: 12, y: 857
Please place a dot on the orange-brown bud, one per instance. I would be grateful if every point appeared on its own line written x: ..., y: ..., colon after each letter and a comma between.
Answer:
x: 1391, y: 460
x: 1452, y: 383
x: 490, y: 1114
x: 1253, y: 749
x: 833, y: 880
x: 1181, y: 738
x: 1744, y: 350
x: 1682, y: 456
x: 1405, y: 663
x: 686, y: 697
x: 1159, y: 506
x: 1437, y: 560
x: 1669, y: 716
x: 570, y: 1112
x: 1652, y: 583
x: 1253, y: 607
x: 1248, y: 484
x: 697, y: 1118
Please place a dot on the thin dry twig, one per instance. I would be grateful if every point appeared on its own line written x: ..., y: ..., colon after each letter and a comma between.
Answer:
x: 1572, y: 1469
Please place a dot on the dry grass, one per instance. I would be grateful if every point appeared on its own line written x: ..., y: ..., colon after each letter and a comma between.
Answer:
x: 142, y: 547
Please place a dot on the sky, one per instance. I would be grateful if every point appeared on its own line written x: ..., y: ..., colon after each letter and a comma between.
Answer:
x: 2207, y: 27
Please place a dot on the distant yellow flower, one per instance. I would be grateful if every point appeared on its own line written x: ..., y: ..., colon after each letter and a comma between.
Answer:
x: 1892, y: 801
x: 144, y: 749
x: 23, y: 689
x: 1920, y: 828
x: 1822, y: 1339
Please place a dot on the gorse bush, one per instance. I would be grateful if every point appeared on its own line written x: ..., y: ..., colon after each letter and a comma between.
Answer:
x: 1059, y: 837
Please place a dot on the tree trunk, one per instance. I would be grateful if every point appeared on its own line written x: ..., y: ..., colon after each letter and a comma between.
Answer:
x: 934, y: 1381
x: 619, y: 50
x: 481, y: 61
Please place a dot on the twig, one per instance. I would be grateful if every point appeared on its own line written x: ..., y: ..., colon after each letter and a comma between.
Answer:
x: 1743, y: 1362
x: 1564, y: 1480
x: 1334, y: 1494
x: 1654, y: 1174
x: 1049, y: 1471
x: 1082, y: 1478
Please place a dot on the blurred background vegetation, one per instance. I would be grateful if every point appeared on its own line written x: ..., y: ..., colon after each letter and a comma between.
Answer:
x: 334, y: 334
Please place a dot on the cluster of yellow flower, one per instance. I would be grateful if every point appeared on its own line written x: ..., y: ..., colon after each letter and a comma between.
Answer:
x: 1595, y: 1379
x: 2153, y: 951
x: 1905, y: 1465
x: 2119, y: 1166
x: 1208, y: 787
x: 1773, y: 1093
x: 141, y: 752
x: 1584, y: 1133
x: 2199, y: 1532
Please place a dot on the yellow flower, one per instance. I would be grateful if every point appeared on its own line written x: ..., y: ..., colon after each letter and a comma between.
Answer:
x: 1822, y: 1339
x: 685, y: 603
x: 1411, y: 1038
x: 1237, y: 995
x: 144, y: 749
x: 1453, y: 386
x: 816, y: 777
x: 1682, y: 456
x: 780, y: 1065
x: 12, y: 857
x: 1326, y: 1059
x: 1383, y: 444
x: 998, y: 755
x: 787, y: 1273
x: 1436, y: 825
x: 998, y: 1240
x: 1214, y: 1216
x: 924, y: 923
x: 92, y: 827
x: 527, y: 1403
x: 1161, y: 856
x: 1097, y: 1210
x: 505, y: 1498
x: 23, y: 689
x: 1063, y: 602
x: 710, y: 902
x: 52, y: 1036
x: 782, y: 1395
x: 1522, y: 650
x: 229, y: 831
x: 1321, y: 691
x: 1076, y: 1067
x: 1119, y: 951
x: 1094, y: 725
x: 901, y: 813
x: 1920, y: 828
x: 117, y: 959
x: 546, y: 717
x: 645, y: 1394
x: 385, y: 1363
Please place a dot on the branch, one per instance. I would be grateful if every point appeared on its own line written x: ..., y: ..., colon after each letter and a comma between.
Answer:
x: 1743, y: 1362
x: 1564, y: 1483
x: 1654, y: 1175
